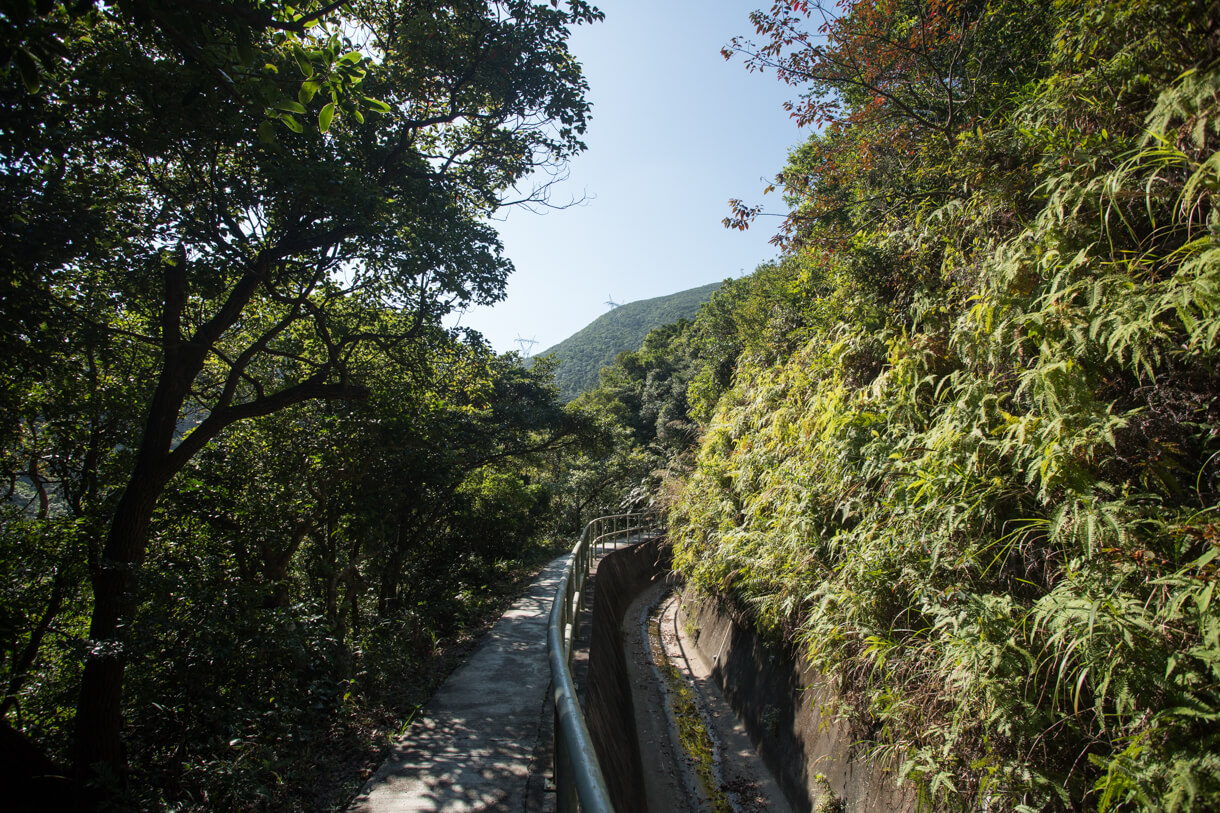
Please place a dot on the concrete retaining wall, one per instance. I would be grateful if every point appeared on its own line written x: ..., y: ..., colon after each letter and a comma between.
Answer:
x: 779, y: 699
x: 621, y: 576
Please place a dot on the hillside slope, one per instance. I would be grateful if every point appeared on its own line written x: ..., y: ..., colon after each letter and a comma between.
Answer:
x: 958, y: 446
x: 585, y: 352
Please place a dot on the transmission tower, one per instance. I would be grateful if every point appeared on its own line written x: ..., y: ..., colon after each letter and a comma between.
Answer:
x: 612, y: 303
x: 526, y: 345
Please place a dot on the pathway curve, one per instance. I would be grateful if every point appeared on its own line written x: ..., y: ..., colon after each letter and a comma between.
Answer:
x: 481, y: 743
x: 483, y: 740
x: 741, y: 771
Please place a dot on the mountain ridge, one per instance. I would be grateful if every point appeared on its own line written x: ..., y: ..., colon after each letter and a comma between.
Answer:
x: 582, y: 355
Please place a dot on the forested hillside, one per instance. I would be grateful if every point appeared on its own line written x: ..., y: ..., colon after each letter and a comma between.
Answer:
x: 584, y: 353
x: 960, y: 445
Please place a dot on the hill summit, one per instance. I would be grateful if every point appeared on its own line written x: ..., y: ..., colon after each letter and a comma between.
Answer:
x: 583, y: 354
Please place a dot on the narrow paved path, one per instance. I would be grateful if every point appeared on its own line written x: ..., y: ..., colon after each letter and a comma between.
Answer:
x: 481, y: 743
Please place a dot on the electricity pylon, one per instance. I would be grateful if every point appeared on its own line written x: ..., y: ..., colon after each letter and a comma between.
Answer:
x: 526, y: 345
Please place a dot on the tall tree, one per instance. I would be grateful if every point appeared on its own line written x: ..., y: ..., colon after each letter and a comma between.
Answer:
x: 890, y: 83
x: 247, y: 185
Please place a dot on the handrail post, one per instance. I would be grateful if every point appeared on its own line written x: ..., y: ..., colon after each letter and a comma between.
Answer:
x: 565, y: 789
x: 579, y: 783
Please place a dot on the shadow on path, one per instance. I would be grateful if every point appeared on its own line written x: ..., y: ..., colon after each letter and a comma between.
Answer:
x: 476, y: 744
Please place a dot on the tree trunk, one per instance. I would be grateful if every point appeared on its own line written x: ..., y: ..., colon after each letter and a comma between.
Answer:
x: 29, y: 780
x: 99, y: 711
x: 388, y: 602
x: 25, y: 662
x: 100, y: 708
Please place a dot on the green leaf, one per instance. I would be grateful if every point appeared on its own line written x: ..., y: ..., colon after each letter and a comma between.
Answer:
x: 28, y: 67
x: 307, y: 91
x: 1205, y: 600
x: 266, y: 132
x: 376, y: 105
x: 289, y: 106
x: 292, y: 123
x: 325, y: 115
x: 302, y: 60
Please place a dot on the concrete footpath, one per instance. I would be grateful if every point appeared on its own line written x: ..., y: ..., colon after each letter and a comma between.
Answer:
x: 482, y: 742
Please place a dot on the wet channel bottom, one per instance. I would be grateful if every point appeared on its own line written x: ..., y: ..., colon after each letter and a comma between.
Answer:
x: 697, y: 753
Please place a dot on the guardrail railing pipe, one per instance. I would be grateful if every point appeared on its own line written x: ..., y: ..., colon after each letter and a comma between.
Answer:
x: 579, y: 782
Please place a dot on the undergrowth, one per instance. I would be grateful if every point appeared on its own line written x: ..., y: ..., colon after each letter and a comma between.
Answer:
x: 994, y: 520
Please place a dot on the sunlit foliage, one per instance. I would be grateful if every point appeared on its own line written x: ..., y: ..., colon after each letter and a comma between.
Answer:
x: 981, y: 491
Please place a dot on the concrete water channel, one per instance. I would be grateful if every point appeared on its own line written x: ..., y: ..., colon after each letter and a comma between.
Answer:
x: 483, y: 742
x: 703, y: 757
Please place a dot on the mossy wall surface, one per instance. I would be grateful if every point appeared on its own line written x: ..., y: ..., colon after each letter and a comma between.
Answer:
x: 621, y: 577
x: 780, y: 700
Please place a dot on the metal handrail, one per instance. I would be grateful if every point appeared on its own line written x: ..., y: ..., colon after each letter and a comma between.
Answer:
x: 577, y: 772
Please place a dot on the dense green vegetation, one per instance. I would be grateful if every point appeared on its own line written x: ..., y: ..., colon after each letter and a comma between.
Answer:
x: 596, y: 345
x: 960, y: 445
x: 251, y: 485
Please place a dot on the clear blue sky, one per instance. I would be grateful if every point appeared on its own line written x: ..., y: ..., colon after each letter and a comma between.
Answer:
x: 676, y: 132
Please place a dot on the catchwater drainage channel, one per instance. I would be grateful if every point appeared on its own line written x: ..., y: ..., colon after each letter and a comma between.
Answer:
x: 696, y: 754
x: 479, y: 744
